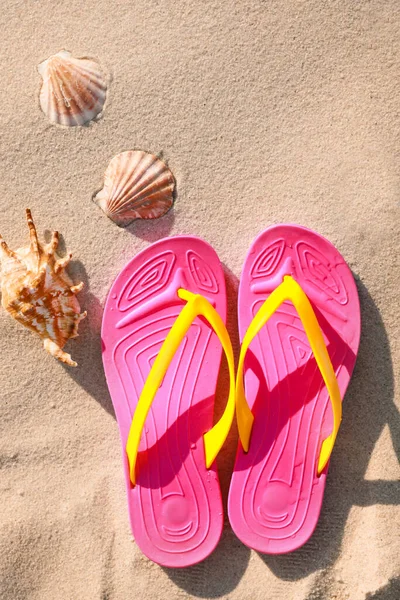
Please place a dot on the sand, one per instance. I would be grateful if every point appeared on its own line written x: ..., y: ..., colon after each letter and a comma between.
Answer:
x: 267, y: 112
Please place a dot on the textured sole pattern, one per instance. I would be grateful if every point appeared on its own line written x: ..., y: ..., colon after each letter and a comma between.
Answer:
x: 175, y: 508
x: 276, y: 496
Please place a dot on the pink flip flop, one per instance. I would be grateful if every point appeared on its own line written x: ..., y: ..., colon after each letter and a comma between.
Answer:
x: 298, y: 301
x: 161, y: 362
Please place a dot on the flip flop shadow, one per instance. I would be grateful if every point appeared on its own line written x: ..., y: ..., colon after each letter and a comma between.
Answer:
x: 368, y: 408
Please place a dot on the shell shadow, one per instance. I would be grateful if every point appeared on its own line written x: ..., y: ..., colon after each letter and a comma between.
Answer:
x: 152, y: 230
x: 368, y: 407
x: 86, y: 350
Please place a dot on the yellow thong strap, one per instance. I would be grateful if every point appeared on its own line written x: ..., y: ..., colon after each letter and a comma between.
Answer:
x: 289, y: 289
x: 213, y: 439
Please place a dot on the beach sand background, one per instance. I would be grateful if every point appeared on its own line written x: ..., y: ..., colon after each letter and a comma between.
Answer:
x: 267, y: 112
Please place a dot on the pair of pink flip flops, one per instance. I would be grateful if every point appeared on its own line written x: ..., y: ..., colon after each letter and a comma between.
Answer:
x: 299, y: 323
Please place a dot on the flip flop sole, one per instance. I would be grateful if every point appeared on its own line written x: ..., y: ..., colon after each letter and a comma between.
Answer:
x: 276, y: 495
x: 175, y: 508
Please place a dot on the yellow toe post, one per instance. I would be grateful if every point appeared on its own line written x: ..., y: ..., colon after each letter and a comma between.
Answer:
x: 290, y: 290
x: 213, y: 440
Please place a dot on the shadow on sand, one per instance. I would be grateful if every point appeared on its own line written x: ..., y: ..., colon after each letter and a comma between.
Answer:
x: 367, y: 409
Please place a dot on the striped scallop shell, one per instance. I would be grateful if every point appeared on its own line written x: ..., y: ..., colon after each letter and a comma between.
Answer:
x: 37, y: 292
x: 137, y: 185
x: 73, y: 90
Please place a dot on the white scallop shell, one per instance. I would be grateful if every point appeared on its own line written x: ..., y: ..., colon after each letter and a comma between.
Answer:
x: 73, y: 90
x: 137, y: 185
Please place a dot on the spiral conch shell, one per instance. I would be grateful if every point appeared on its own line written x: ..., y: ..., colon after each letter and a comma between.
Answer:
x: 73, y: 91
x: 37, y: 291
x: 137, y: 185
